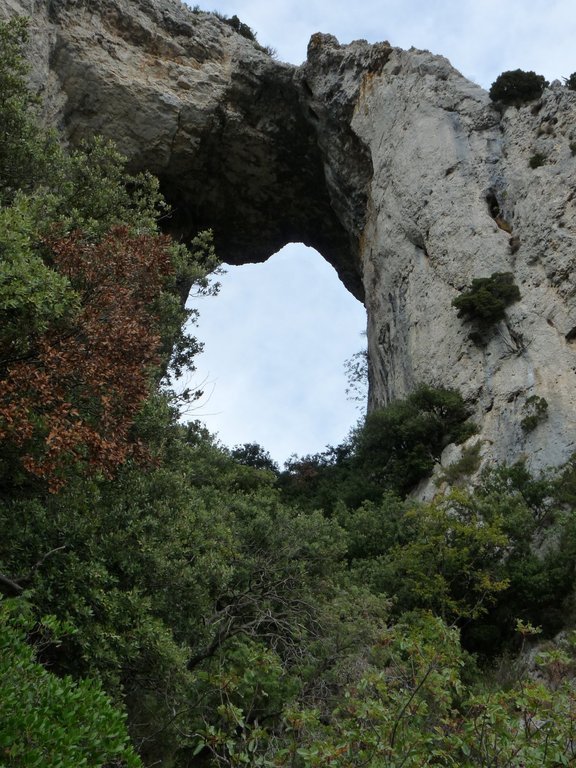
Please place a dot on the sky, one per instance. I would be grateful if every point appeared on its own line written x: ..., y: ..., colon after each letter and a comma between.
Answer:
x: 277, y: 335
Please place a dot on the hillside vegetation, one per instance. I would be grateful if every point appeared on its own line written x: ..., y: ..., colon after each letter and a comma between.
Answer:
x: 167, y: 601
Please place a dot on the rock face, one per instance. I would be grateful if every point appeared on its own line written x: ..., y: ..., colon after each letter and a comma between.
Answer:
x: 399, y: 171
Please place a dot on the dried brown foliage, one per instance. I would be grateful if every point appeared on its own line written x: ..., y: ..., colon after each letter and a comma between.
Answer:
x: 74, y: 396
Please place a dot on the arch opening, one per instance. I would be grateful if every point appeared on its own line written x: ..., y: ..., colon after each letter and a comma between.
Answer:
x: 276, y: 339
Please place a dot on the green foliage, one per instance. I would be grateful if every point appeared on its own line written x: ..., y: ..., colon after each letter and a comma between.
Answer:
x: 517, y: 87
x: 443, y: 556
x: 485, y: 302
x: 47, y: 721
x: 537, y: 160
x: 481, y: 559
x: 398, y: 446
x: 33, y: 297
x: 254, y: 455
x: 413, y: 706
x: 356, y: 370
x: 242, y: 29
x: 393, y: 714
x: 571, y: 81
x: 27, y: 153
x: 536, y: 409
x: 391, y: 450
x: 175, y: 577
x: 538, y: 562
x: 466, y: 465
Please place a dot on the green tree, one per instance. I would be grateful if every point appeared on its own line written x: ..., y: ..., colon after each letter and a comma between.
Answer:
x: 397, y: 446
x: 254, y: 455
x: 444, y: 556
x: 517, y: 87
x: 571, y: 81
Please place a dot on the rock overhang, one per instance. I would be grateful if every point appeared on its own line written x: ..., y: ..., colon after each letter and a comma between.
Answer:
x: 228, y: 130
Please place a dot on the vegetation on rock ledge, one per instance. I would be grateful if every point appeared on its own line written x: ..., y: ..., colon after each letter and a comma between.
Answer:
x: 517, y: 87
x: 484, y: 303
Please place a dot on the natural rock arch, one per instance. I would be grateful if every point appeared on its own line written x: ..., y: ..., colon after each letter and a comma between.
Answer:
x: 381, y: 159
x: 239, y: 141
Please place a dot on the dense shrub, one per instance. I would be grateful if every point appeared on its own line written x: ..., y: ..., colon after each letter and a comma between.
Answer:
x: 517, y: 87
x: 254, y: 455
x: 485, y: 302
x: 571, y: 82
x: 239, y: 26
x: 46, y: 720
x: 399, y: 445
x: 391, y: 450
x: 537, y: 160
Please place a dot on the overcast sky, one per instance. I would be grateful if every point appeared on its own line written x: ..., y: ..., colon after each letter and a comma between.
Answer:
x: 278, y: 334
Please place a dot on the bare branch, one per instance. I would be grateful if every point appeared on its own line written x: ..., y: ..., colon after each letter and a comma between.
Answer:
x: 10, y: 588
x: 14, y: 587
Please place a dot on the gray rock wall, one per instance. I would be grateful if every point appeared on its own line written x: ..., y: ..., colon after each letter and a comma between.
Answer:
x: 443, y: 158
x: 397, y: 169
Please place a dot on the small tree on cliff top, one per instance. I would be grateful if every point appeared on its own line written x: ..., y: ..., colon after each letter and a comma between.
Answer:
x: 516, y: 87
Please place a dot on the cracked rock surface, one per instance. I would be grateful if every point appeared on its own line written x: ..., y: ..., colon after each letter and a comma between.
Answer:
x: 398, y: 170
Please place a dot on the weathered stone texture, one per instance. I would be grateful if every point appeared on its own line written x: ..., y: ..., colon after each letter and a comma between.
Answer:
x: 445, y: 159
x: 397, y: 169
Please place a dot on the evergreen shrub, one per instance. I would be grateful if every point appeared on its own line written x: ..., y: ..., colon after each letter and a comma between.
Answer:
x: 537, y: 160
x: 571, y: 82
x: 517, y: 87
x: 485, y: 302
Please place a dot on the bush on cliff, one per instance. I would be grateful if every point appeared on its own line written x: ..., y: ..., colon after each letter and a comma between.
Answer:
x: 485, y: 302
x: 516, y: 87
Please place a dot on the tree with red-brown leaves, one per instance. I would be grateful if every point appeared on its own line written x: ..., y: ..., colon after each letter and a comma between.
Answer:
x: 73, y: 395
x: 91, y: 310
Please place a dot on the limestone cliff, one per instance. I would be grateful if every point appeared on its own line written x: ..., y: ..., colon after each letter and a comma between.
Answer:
x: 398, y: 170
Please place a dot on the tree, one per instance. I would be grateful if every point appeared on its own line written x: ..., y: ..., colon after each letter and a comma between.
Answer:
x: 517, y: 87
x: 571, y: 81
x: 90, y: 309
x: 444, y: 556
x: 356, y: 369
x: 254, y: 455
x: 73, y: 393
x: 397, y: 446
